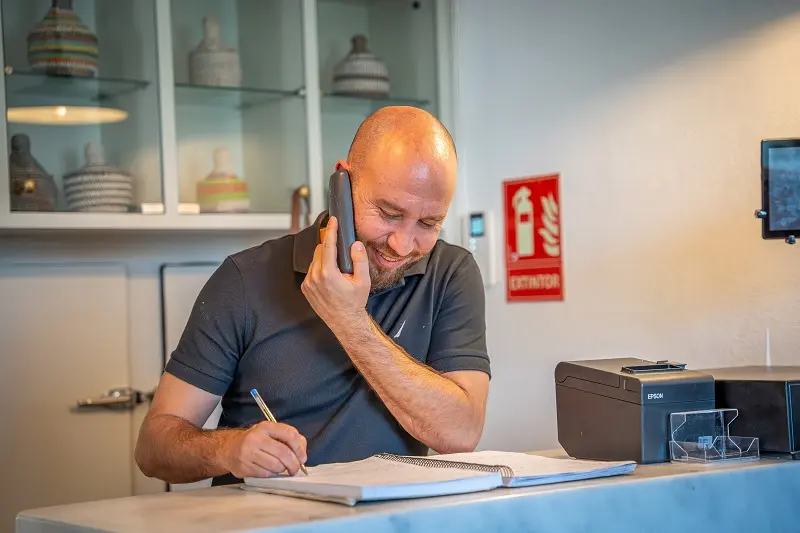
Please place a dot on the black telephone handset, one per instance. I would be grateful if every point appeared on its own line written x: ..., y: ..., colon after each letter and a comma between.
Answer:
x: 340, y: 205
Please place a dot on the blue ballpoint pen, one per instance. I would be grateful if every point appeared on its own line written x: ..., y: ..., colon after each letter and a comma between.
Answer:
x: 268, y: 414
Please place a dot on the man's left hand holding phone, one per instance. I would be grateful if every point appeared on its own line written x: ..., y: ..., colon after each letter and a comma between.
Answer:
x: 337, y: 297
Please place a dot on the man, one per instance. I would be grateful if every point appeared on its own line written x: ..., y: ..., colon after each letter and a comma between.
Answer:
x: 389, y: 359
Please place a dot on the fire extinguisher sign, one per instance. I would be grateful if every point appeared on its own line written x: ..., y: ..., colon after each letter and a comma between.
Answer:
x: 533, y: 239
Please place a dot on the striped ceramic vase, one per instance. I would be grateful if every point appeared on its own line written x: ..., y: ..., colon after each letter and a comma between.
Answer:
x: 97, y: 186
x: 361, y: 73
x: 214, y: 62
x: 222, y: 191
x: 61, y: 45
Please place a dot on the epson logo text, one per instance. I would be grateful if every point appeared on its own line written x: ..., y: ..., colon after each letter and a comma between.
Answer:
x: 655, y: 396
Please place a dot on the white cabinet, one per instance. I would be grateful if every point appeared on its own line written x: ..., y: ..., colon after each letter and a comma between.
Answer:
x: 65, y: 338
x: 216, y: 114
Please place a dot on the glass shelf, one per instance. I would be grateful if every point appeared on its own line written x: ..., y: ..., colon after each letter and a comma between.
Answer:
x: 25, y: 86
x: 359, y: 3
x: 333, y: 101
x: 233, y: 97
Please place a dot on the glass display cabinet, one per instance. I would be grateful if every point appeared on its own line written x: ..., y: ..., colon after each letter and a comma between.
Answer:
x: 200, y: 114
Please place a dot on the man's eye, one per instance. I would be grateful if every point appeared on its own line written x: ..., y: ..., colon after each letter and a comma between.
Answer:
x: 389, y: 216
x: 428, y: 225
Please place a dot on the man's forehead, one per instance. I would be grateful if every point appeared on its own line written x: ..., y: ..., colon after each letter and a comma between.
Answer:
x: 413, y: 175
x: 433, y: 210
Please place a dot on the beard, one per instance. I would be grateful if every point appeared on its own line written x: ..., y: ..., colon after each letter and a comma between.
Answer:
x: 383, y: 278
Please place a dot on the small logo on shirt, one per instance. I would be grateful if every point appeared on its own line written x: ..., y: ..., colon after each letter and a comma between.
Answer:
x: 396, y: 335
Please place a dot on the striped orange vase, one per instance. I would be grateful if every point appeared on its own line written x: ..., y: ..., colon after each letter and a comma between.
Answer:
x: 62, y: 45
x: 222, y: 191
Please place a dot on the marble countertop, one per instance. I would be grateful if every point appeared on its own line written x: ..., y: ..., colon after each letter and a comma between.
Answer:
x: 749, y: 496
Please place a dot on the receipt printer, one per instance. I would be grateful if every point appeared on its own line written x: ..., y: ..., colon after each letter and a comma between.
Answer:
x: 618, y: 409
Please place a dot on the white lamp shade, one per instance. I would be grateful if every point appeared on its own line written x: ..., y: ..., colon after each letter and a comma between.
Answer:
x: 65, y: 115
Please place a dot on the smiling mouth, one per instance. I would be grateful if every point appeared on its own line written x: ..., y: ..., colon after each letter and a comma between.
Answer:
x: 389, y: 259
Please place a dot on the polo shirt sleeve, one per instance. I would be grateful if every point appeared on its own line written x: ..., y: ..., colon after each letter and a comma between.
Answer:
x: 458, y: 339
x: 209, y: 348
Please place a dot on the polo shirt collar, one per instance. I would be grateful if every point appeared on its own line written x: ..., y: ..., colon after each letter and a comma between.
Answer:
x: 306, y: 240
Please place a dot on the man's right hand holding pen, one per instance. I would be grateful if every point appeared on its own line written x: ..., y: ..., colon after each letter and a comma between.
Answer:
x: 265, y: 449
x: 175, y: 448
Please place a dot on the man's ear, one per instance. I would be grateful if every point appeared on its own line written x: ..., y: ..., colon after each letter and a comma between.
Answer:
x: 342, y: 165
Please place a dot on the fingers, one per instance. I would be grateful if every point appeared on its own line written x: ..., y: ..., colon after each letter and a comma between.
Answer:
x: 253, y: 462
x: 265, y: 449
x: 316, y: 261
x: 360, y: 263
x: 329, y: 244
x: 320, y: 262
x: 278, y: 450
x: 290, y: 437
x: 265, y: 464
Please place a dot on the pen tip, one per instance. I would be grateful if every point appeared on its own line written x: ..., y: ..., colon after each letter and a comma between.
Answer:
x: 253, y: 392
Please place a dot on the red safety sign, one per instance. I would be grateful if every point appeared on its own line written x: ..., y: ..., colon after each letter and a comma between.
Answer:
x: 533, y: 239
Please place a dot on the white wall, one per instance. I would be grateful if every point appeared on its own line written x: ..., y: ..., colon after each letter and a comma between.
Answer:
x: 653, y: 112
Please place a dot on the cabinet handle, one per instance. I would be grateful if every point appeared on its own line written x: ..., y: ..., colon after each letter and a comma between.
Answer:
x: 123, y: 399
x: 299, y: 196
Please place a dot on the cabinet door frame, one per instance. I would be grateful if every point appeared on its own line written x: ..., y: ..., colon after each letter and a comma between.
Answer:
x: 166, y: 99
x: 446, y: 24
x: 316, y: 173
x: 5, y: 175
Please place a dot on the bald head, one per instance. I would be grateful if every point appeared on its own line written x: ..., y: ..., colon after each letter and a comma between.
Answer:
x: 403, y: 167
x: 402, y: 137
x: 408, y: 127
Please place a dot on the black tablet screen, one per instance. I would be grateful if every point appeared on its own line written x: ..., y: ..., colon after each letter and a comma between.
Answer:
x: 784, y: 188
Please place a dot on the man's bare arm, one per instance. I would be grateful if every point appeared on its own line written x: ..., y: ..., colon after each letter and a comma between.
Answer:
x: 173, y: 446
x: 444, y: 411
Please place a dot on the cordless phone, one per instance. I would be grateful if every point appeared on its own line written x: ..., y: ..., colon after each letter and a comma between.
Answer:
x: 340, y: 205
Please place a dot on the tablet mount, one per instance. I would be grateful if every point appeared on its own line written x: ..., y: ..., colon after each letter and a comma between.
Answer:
x: 790, y: 239
x: 780, y: 189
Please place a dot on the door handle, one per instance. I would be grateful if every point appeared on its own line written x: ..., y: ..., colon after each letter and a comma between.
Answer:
x: 123, y: 399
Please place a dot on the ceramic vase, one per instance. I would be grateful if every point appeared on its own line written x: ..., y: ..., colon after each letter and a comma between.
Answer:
x: 361, y: 73
x: 213, y: 61
x: 97, y: 186
x: 222, y: 191
x: 32, y: 188
x: 61, y: 45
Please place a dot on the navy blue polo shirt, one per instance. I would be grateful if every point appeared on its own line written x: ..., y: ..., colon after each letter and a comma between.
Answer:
x: 252, y: 327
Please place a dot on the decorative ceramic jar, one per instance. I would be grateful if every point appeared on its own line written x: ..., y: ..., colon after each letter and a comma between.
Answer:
x: 222, y: 191
x: 32, y: 188
x: 213, y: 61
x: 361, y: 73
x: 61, y: 45
x: 97, y: 186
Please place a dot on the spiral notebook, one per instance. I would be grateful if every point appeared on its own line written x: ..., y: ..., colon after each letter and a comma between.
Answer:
x: 388, y: 476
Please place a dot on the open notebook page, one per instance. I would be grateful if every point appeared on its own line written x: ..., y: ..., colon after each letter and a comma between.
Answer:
x: 375, y: 479
x: 535, y: 469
